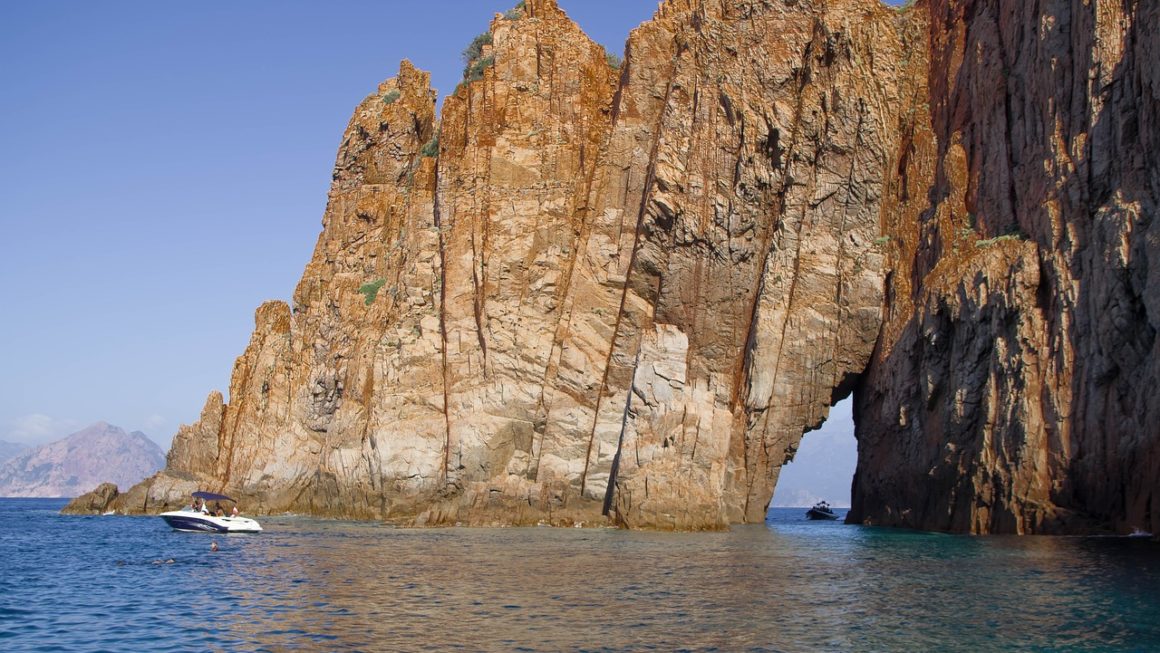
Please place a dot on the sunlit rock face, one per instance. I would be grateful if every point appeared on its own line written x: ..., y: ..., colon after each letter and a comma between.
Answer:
x: 603, y: 295
x: 619, y: 295
x: 1014, y: 386
x: 739, y: 208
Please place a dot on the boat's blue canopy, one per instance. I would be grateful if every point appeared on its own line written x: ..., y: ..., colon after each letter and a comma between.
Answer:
x: 210, y: 496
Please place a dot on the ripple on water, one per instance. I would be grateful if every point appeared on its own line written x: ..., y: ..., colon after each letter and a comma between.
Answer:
x: 123, y: 583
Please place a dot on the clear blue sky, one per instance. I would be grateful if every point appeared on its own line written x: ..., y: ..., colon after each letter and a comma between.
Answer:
x: 163, y: 170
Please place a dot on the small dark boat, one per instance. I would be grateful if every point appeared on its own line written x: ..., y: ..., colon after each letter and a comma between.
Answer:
x: 821, y: 510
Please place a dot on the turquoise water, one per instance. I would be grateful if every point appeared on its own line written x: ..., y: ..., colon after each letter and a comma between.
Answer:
x: 106, y: 584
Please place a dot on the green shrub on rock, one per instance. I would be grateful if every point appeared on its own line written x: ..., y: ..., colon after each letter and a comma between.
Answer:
x: 474, y: 51
x: 371, y: 290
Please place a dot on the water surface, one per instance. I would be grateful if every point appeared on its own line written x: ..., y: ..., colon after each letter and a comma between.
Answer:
x: 132, y: 584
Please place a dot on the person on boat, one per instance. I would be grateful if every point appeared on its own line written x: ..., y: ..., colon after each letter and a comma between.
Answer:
x: 204, y: 508
x: 234, y: 512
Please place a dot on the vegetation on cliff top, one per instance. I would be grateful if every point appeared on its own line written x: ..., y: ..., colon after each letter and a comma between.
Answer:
x: 473, y: 60
x: 475, y: 70
x: 473, y: 53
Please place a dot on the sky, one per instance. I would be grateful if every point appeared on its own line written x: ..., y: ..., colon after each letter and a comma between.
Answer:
x: 163, y: 171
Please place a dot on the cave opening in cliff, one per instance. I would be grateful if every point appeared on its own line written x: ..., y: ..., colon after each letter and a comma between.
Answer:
x: 823, y: 467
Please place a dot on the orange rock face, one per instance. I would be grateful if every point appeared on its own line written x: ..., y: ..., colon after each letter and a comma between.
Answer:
x: 598, y: 295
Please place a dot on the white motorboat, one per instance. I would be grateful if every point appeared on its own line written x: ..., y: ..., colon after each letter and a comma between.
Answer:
x: 190, y: 519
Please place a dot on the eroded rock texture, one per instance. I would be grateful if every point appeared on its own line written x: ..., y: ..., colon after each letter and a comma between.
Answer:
x: 739, y: 209
x: 601, y: 295
x: 1013, y: 389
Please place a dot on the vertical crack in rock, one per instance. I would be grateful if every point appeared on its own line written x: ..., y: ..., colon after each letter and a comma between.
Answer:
x: 606, y: 509
x: 445, y: 468
x: 649, y: 180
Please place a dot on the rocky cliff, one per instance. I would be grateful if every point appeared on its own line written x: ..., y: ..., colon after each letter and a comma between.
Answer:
x: 621, y: 295
x: 1023, y: 299
x: 73, y: 465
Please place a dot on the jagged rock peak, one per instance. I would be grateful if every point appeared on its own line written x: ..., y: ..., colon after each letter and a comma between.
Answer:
x: 387, y: 131
x: 544, y: 9
x: 410, y: 80
x: 196, y: 447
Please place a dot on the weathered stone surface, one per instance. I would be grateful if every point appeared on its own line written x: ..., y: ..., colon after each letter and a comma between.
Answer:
x: 1013, y: 389
x: 741, y: 209
x: 93, y: 503
x: 620, y: 296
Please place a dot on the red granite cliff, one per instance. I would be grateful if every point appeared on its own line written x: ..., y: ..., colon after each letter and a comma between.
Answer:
x: 620, y: 295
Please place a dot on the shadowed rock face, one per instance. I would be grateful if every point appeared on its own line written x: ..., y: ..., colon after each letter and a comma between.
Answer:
x: 621, y: 295
x: 1013, y: 389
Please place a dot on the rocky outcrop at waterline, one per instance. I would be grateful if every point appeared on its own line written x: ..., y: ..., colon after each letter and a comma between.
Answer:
x: 620, y: 295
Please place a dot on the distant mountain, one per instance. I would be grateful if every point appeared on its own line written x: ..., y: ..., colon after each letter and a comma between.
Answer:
x: 10, y: 450
x: 78, y: 463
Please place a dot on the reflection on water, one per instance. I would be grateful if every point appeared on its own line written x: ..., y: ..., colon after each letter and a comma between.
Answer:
x: 791, y: 585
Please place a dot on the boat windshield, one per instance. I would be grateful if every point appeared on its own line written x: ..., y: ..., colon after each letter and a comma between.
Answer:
x: 210, y: 496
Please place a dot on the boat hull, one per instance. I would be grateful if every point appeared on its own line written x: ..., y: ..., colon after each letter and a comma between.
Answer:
x: 184, y: 520
x: 821, y: 515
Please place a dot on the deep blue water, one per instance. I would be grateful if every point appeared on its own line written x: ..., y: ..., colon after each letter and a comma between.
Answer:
x: 132, y: 584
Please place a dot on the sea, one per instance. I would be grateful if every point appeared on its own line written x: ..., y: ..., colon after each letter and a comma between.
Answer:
x: 118, y: 583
